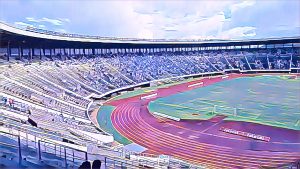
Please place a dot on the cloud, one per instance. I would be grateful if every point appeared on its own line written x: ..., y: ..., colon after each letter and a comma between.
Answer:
x: 202, y: 19
x: 169, y: 29
x: 61, y: 30
x: 42, y: 26
x: 238, y: 32
x: 22, y: 24
x: 64, y: 19
x: 30, y: 19
x: 145, y: 34
x: 160, y: 19
x: 52, y: 21
x: 56, y: 22
x: 242, y: 5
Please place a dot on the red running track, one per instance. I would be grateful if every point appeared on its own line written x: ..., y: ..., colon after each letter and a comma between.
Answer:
x: 200, y: 141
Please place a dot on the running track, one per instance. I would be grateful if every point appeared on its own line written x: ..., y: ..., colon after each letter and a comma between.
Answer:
x: 200, y: 141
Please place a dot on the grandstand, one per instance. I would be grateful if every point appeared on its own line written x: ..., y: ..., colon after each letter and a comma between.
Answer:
x: 52, y: 85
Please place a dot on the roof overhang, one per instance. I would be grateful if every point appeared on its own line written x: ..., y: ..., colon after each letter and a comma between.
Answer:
x: 15, y: 36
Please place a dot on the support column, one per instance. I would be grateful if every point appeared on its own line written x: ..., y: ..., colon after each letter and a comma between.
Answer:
x: 84, y: 52
x: 93, y: 51
x: 31, y: 53
x: 65, y: 153
x: 40, y: 53
x: 50, y: 52
x: 19, y: 150
x: 22, y: 52
x: 8, y: 51
x: 44, y: 51
x: 86, y: 156
x: 19, y: 52
x: 39, y: 151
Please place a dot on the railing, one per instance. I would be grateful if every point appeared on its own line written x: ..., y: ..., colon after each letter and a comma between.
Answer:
x: 293, y: 165
x: 65, y: 156
x: 56, y: 154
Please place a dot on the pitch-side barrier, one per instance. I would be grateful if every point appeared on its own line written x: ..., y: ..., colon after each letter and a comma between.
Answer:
x: 166, y: 116
x: 149, y: 96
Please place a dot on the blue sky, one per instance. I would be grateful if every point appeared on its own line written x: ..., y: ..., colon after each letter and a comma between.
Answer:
x: 197, y: 19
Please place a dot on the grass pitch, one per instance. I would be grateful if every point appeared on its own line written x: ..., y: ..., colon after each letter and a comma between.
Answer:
x: 268, y: 100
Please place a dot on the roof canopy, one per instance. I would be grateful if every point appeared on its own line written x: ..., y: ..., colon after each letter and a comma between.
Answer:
x: 35, y: 38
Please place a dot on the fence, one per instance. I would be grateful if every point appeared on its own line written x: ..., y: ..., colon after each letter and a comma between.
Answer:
x: 61, y: 155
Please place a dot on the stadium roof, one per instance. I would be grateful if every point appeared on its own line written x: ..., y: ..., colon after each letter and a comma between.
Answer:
x: 34, y: 37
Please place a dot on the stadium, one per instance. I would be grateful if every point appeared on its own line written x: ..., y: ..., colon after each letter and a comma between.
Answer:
x: 81, y: 101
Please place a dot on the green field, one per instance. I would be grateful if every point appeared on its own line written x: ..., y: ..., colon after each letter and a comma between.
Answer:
x: 270, y: 100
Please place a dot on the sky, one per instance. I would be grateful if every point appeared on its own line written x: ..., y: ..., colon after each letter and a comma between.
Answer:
x: 178, y: 19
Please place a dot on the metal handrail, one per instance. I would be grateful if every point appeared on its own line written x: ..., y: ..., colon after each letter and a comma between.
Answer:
x: 68, y: 155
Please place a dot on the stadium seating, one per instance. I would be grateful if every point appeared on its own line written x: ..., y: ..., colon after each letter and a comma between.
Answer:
x: 54, y: 92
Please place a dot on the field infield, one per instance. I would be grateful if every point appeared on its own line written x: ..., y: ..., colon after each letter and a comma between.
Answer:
x: 270, y: 100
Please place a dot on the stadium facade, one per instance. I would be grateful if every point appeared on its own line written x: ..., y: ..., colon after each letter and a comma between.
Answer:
x: 42, y: 43
x: 107, y: 67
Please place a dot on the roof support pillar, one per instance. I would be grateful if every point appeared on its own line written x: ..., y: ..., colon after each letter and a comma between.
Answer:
x: 93, y: 51
x: 40, y: 53
x: 44, y: 51
x: 20, y: 51
x: 8, y: 50
x: 31, y: 53
x: 51, y: 52
x: 84, y: 52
